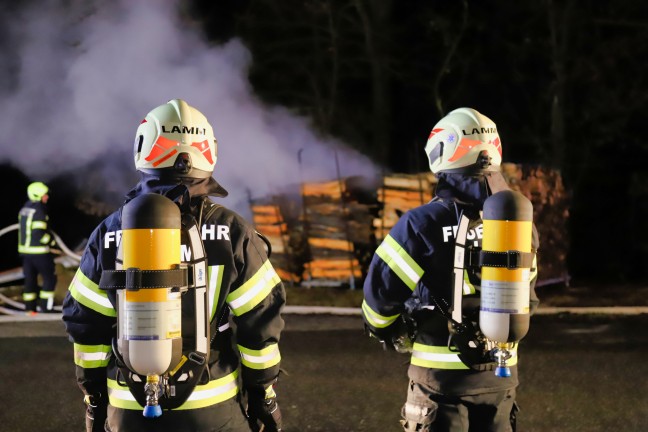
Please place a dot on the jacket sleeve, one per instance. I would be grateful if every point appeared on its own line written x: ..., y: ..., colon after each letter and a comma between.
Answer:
x: 89, y: 317
x: 393, y: 275
x: 256, y: 299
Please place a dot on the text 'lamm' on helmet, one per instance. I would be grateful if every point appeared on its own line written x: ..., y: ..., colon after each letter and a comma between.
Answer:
x: 176, y: 138
x: 464, y: 141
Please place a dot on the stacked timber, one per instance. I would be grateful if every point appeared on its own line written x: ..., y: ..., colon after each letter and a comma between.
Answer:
x: 545, y: 189
x: 334, y: 222
x: 399, y: 193
x: 268, y: 221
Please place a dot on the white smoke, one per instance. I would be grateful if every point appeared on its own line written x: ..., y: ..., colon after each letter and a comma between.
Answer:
x: 83, y: 76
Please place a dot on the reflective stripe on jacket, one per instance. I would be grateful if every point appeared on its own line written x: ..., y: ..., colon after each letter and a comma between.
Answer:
x: 241, y: 282
x: 33, y: 233
x: 416, y: 261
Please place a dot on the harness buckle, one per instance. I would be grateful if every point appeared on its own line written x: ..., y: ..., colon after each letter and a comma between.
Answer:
x: 133, y: 279
x: 513, y: 259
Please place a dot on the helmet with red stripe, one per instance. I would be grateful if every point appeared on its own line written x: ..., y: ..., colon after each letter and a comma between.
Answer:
x: 464, y: 141
x: 176, y: 138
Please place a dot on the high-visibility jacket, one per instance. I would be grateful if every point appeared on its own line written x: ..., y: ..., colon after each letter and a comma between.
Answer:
x: 33, y: 229
x: 415, y: 260
x: 241, y: 283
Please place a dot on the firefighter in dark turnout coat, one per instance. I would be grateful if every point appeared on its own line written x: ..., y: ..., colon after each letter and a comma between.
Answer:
x: 244, y: 291
x: 409, y: 288
x: 34, y: 242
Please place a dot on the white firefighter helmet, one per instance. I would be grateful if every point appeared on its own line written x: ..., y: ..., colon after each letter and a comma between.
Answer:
x: 36, y: 191
x: 464, y: 141
x: 176, y: 138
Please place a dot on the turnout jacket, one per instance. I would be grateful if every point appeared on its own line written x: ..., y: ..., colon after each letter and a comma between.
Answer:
x: 243, y: 290
x: 34, y: 236
x: 411, y: 273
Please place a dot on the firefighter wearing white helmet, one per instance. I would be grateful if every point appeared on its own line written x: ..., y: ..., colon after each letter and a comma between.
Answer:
x: 223, y: 380
x: 422, y: 291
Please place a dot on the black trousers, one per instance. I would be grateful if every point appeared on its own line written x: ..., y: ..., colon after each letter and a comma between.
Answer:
x: 33, y: 265
x: 427, y: 411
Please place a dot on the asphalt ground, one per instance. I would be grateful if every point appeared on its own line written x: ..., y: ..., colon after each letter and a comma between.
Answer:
x: 579, y: 372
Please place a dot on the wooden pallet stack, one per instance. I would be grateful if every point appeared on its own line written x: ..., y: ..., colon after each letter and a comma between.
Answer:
x: 545, y: 189
x: 399, y: 193
x: 332, y: 222
x: 268, y: 220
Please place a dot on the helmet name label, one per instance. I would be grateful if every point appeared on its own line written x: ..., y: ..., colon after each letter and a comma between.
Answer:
x: 185, y: 129
x: 480, y: 130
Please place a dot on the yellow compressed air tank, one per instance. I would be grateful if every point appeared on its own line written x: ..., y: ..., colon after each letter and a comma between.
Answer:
x: 505, y: 274
x: 150, y: 319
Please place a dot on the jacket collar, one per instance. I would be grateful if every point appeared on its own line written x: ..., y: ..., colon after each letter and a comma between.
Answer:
x: 469, y: 189
x: 186, y: 192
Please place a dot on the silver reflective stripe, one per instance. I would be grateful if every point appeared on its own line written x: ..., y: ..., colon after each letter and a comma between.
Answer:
x: 88, y: 294
x: 397, y: 258
x: 254, y: 290
x: 91, y: 356
x: 375, y: 319
x: 203, y: 396
x: 260, y: 359
x: 436, y: 357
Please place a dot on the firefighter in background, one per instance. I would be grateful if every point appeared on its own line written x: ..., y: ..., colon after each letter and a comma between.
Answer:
x: 409, y: 288
x: 34, y: 243
x: 175, y: 152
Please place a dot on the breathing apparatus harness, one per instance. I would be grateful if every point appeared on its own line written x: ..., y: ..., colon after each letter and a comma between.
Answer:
x: 176, y: 385
x: 466, y: 338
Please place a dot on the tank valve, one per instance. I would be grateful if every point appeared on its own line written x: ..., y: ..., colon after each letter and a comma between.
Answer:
x: 152, y: 391
x: 502, y: 355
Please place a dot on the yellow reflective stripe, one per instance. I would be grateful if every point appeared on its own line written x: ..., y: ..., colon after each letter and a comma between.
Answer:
x: 252, y: 292
x: 440, y: 357
x: 45, y: 239
x: 46, y: 294
x: 436, y: 357
x: 88, y: 294
x: 213, y: 392
x: 120, y: 396
x: 91, y: 356
x: 468, y: 287
x: 39, y: 225
x: 33, y: 249
x: 29, y: 296
x: 260, y: 359
x: 28, y: 234
x: 375, y: 319
x: 203, y: 396
x: 215, y: 275
x: 400, y: 262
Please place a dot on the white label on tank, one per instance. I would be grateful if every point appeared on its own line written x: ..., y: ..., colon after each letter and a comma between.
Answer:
x: 153, y: 320
x: 505, y: 297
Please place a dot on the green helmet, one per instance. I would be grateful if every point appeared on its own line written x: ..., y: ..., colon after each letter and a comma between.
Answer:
x: 36, y: 191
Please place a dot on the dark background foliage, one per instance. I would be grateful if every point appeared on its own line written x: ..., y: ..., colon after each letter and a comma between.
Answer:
x: 565, y: 81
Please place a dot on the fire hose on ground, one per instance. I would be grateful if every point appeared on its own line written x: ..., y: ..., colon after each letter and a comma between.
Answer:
x: 18, y: 275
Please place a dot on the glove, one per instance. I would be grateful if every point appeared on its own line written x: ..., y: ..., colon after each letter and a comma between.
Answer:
x: 96, y: 408
x: 397, y: 337
x: 263, y: 411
